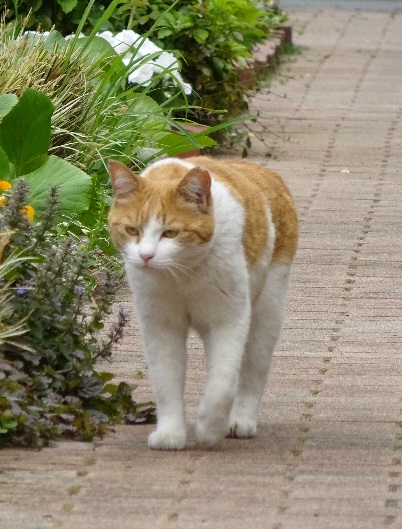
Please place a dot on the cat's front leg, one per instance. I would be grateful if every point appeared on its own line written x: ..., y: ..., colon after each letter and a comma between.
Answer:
x: 166, y: 355
x: 164, y: 338
x: 224, y: 346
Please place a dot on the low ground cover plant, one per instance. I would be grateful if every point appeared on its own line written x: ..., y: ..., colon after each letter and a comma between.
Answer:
x: 56, y: 290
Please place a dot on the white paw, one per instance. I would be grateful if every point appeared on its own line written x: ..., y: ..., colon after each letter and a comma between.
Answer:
x: 210, y: 430
x: 242, y: 428
x: 167, y: 439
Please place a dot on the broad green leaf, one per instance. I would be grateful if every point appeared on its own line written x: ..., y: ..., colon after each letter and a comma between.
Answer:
x: 33, y: 164
x: 4, y: 166
x: 218, y: 63
x: 51, y: 41
x: 105, y: 376
x: 92, y: 49
x: 141, y: 104
x: 67, y: 5
x: 54, y: 39
x: 44, y: 22
x: 201, y: 35
x: 35, y: 5
x: 174, y: 143
x: 166, y: 19
x: 25, y: 130
x: 73, y: 185
x: 164, y: 32
x: 7, y: 102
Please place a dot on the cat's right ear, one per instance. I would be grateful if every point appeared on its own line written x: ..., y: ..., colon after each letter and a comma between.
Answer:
x: 123, y: 180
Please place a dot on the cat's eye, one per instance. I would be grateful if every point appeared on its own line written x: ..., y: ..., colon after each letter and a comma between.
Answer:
x: 132, y: 231
x: 170, y: 234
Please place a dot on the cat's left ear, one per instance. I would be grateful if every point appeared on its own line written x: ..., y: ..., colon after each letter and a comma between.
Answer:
x: 123, y: 180
x: 196, y: 188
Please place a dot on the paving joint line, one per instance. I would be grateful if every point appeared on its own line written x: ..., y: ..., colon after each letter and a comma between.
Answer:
x: 306, y: 417
x: 306, y: 23
x: 323, y: 60
x: 187, y: 476
x: 392, y: 502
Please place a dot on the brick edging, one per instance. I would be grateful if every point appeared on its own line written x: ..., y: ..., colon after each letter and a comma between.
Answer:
x: 265, y: 56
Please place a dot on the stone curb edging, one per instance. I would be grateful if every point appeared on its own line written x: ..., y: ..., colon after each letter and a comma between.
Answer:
x: 265, y: 56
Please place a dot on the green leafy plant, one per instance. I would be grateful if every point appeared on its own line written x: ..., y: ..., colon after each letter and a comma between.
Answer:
x: 215, y: 38
x: 55, y: 295
x: 65, y: 15
x: 24, y: 144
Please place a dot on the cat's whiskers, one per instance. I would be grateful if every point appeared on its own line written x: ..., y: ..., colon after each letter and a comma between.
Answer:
x: 175, y: 276
x: 177, y: 271
x: 185, y: 270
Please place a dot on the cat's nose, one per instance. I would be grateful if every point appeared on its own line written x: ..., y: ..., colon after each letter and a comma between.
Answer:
x: 146, y: 256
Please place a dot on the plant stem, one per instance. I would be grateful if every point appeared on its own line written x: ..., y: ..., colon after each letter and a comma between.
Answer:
x: 15, y: 3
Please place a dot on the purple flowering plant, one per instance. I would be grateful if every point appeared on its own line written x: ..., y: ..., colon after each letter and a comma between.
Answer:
x: 49, y: 383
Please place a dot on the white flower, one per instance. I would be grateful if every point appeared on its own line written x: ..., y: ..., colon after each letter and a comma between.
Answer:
x: 125, y: 43
x: 108, y: 36
x: 142, y: 75
x: 180, y: 82
x: 40, y: 34
x: 69, y: 37
x: 127, y: 39
x: 147, y: 47
x: 167, y: 60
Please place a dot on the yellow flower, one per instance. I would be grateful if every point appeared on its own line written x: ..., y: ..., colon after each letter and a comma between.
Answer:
x: 4, y: 185
x: 29, y: 212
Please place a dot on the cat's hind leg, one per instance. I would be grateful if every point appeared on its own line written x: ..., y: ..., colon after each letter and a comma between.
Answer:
x: 266, y: 321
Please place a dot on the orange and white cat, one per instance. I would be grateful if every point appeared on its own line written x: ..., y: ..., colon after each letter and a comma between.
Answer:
x: 206, y: 244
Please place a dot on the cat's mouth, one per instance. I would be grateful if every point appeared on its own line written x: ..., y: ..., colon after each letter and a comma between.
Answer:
x: 148, y: 266
x: 143, y: 265
x: 172, y: 267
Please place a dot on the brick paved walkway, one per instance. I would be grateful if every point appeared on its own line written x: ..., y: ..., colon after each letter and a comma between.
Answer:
x: 329, y: 449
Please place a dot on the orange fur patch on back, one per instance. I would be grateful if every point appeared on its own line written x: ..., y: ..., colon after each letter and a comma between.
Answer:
x: 257, y: 188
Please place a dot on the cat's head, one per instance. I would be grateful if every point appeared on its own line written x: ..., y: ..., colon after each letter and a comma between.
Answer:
x: 163, y: 220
